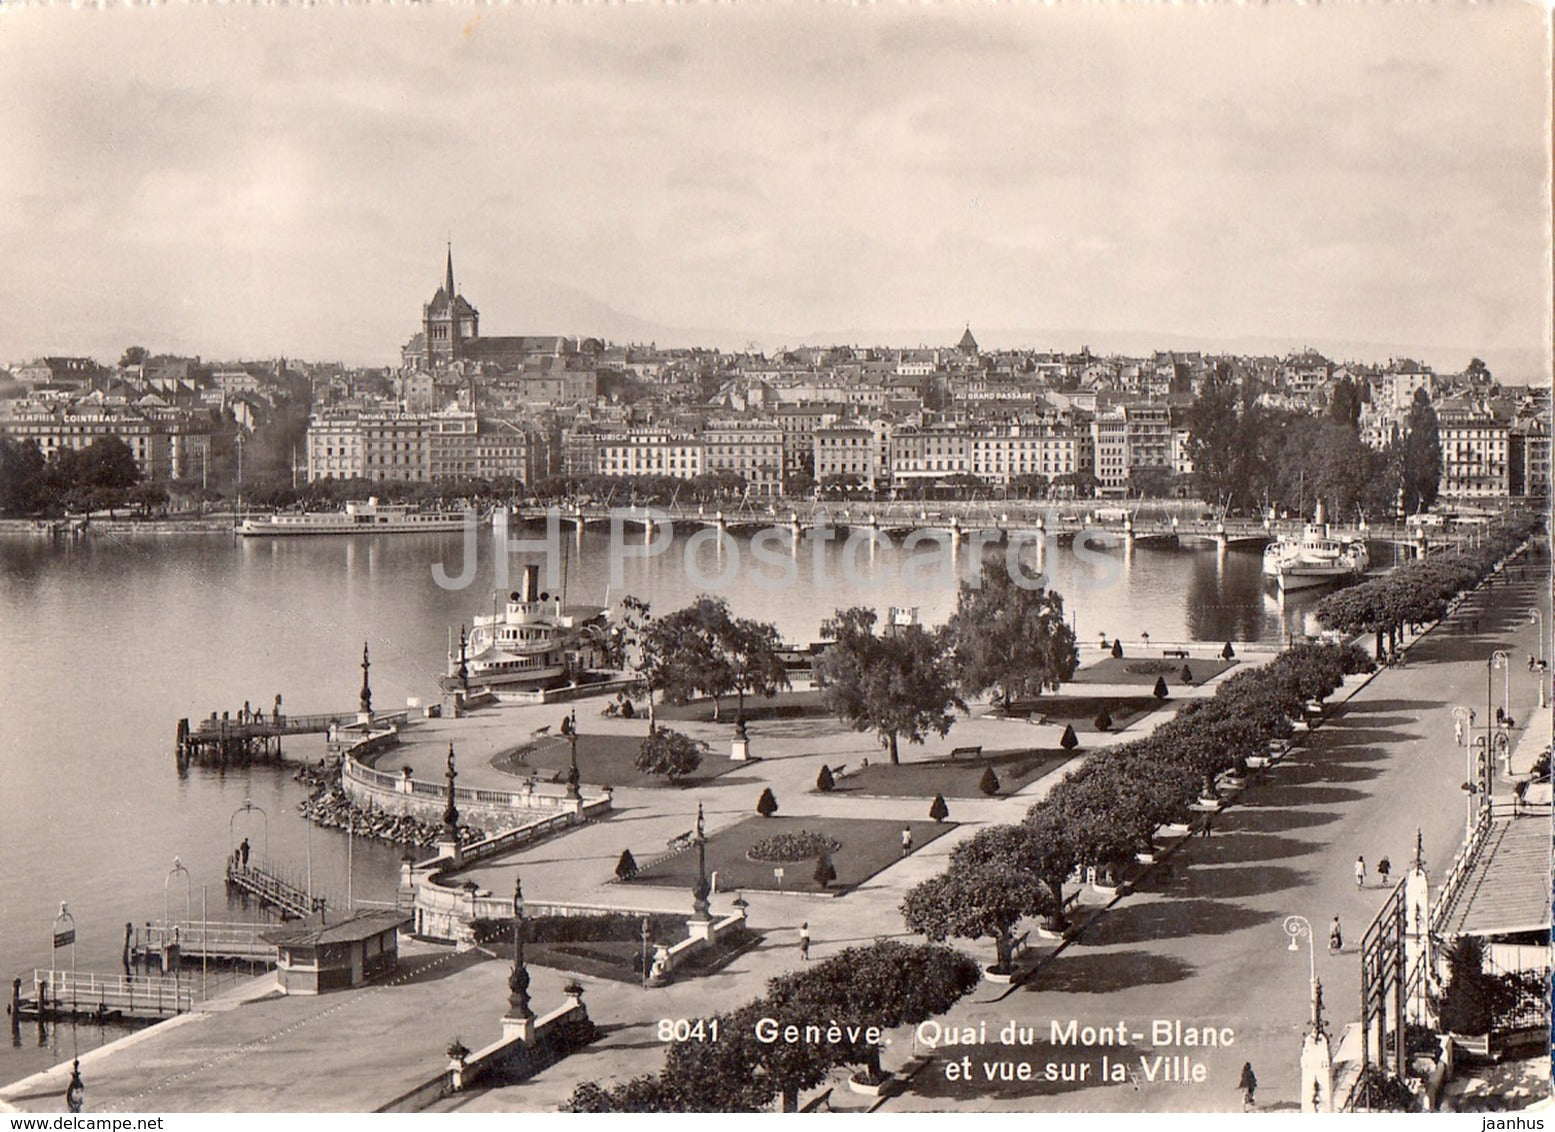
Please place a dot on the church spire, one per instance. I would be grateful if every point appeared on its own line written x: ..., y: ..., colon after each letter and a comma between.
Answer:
x: 448, y: 277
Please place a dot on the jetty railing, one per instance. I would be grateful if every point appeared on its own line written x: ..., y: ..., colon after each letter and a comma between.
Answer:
x: 130, y: 994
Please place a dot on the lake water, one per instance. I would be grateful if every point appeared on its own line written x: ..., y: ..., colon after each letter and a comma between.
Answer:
x: 107, y: 642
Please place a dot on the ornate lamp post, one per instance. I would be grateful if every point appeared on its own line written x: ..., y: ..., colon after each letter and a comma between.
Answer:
x: 1497, y: 659
x: 700, y: 891
x: 464, y: 668
x: 646, y: 932
x: 572, y: 770
x: 1536, y: 615
x: 519, y: 1019
x: 449, y: 838
x: 75, y: 1093
x: 367, y: 692
x: 1317, y: 1078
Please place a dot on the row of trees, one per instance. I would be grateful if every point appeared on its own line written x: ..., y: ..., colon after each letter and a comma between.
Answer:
x: 1109, y: 809
x: 899, y: 681
x: 1248, y: 455
x: 1419, y: 592
x: 861, y: 989
x: 101, y: 476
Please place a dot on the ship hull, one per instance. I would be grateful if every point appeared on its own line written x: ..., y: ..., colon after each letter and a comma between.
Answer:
x: 251, y: 529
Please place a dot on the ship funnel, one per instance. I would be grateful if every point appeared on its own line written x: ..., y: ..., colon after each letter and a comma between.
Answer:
x: 531, y: 586
x: 1318, y: 517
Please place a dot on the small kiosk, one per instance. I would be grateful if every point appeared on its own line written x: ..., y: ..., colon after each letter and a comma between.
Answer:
x: 314, y: 958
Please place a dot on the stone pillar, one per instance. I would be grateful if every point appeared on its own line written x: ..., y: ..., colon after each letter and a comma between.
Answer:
x: 740, y: 745
x: 518, y: 1024
x: 1317, y: 1074
x: 1317, y: 1065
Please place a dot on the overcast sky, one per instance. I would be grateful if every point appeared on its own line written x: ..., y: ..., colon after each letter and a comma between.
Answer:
x: 256, y: 180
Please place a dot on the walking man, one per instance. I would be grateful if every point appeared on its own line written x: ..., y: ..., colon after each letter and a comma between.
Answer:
x: 1335, y: 937
x: 1248, y: 1084
x: 243, y: 849
x: 1360, y: 872
x: 906, y: 840
x: 804, y: 940
x: 1384, y: 867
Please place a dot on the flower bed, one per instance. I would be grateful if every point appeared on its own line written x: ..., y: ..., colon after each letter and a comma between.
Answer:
x: 786, y: 848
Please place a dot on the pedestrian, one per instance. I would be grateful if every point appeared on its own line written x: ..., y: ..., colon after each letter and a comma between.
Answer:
x: 804, y: 940
x: 1335, y: 937
x: 1248, y: 1084
x: 1384, y: 867
x: 1360, y: 872
x: 906, y: 840
x: 1530, y: 662
x: 243, y: 849
x: 1204, y: 829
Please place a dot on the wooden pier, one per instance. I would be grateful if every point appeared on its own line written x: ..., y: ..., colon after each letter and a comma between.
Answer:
x: 63, y: 996
x: 191, y: 941
x: 266, y: 885
x: 255, y: 736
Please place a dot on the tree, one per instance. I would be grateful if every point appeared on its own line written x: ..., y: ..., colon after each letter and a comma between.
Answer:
x: 107, y: 462
x: 669, y: 753
x: 134, y: 356
x: 690, y: 643
x: 626, y: 867
x: 751, y: 649
x: 23, y: 477
x: 825, y: 871
x: 824, y: 782
x: 640, y: 649
x: 989, y: 783
x: 1422, y: 455
x: 1160, y: 692
x: 885, y: 985
x: 938, y: 810
x: 983, y: 899
x: 899, y: 684
x: 767, y: 804
x: 1070, y: 740
x: 1213, y: 435
x: 1467, y: 1002
x: 1344, y: 406
x: 1009, y: 637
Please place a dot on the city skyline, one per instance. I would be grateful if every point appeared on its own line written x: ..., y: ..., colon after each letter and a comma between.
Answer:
x: 256, y: 181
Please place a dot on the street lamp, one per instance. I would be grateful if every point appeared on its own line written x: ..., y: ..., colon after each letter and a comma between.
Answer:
x: 572, y: 771
x: 1296, y: 927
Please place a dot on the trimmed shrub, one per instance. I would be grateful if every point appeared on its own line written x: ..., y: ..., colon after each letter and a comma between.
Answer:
x: 1186, y: 675
x: 1160, y: 691
x: 626, y: 867
x: 1228, y: 653
x: 938, y: 810
x: 1070, y: 740
x: 824, y: 782
x: 767, y: 804
x: 989, y: 783
x: 1117, y: 648
x: 1103, y: 721
x: 825, y: 871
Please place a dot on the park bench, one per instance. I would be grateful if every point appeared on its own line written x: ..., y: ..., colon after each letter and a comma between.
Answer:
x: 681, y: 840
x: 1180, y: 654
x: 969, y: 752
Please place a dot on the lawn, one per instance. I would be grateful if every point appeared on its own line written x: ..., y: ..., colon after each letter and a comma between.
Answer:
x: 1145, y: 669
x: 954, y: 779
x: 611, y: 947
x: 1081, y: 711
x: 787, y: 705
x: 603, y: 760
x: 866, y: 845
